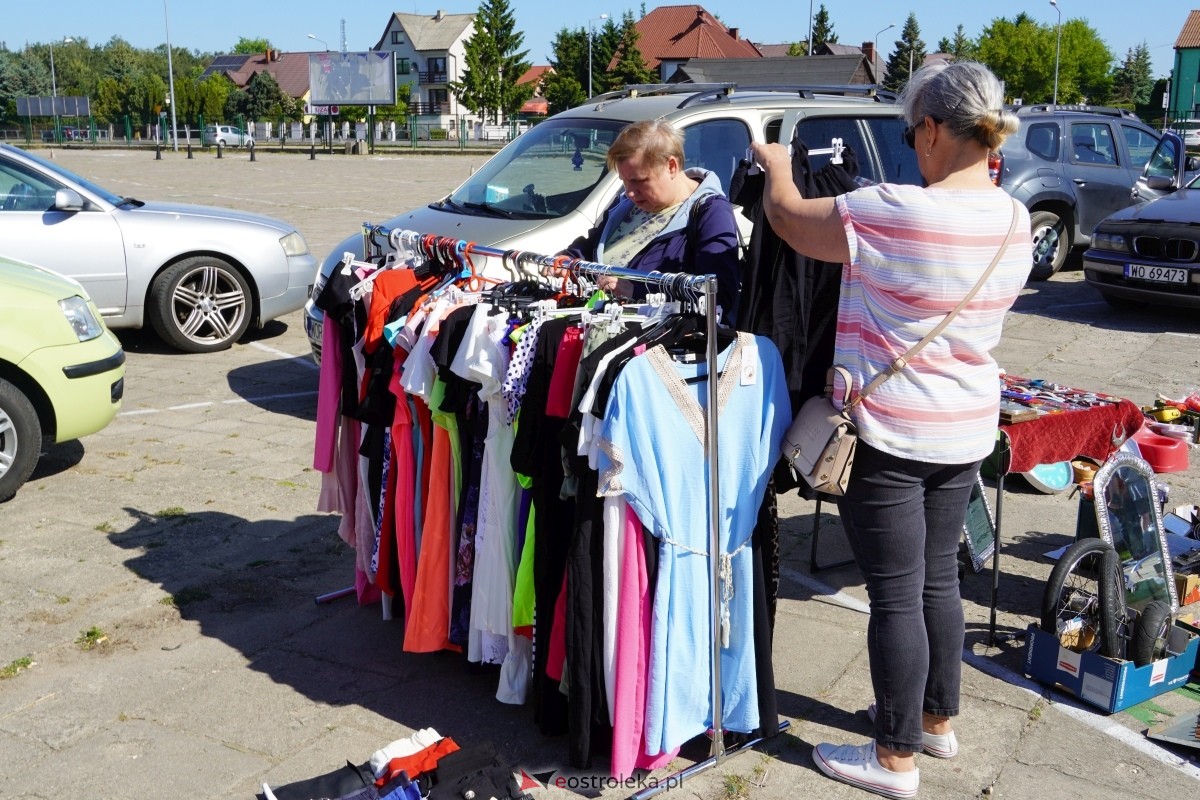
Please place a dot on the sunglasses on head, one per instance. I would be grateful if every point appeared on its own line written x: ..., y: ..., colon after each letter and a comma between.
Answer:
x: 910, y: 131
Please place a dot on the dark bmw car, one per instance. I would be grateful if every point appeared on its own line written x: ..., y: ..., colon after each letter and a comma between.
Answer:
x: 1150, y: 253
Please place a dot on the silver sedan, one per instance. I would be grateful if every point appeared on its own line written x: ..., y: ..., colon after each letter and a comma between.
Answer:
x: 199, y: 276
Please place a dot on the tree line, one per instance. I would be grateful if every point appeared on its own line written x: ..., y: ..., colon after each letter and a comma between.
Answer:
x: 1022, y: 52
x: 125, y: 83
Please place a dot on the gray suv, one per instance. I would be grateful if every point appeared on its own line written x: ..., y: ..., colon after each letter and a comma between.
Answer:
x: 550, y: 184
x: 1072, y: 166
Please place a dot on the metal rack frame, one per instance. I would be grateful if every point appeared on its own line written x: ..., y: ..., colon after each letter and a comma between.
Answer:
x: 705, y: 286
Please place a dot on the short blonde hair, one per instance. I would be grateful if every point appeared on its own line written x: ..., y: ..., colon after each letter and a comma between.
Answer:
x: 654, y: 139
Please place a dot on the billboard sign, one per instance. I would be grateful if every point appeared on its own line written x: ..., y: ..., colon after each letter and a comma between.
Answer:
x: 352, y: 79
x: 52, y: 106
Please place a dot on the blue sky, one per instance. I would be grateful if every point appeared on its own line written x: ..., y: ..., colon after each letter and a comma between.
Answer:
x: 214, y: 25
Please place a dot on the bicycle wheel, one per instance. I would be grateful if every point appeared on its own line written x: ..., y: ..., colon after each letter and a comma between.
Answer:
x: 1149, y: 640
x: 1084, y: 601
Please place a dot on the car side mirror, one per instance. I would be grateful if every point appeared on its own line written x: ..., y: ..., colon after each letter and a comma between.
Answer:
x: 1192, y: 164
x: 68, y: 200
x: 1159, y: 183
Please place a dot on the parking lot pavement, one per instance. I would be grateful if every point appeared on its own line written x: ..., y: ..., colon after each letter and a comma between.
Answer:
x: 160, y: 575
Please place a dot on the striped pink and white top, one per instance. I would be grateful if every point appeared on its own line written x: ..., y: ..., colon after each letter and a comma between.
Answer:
x: 914, y: 255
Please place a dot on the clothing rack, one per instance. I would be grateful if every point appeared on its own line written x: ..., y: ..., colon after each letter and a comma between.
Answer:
x: 678, y: 285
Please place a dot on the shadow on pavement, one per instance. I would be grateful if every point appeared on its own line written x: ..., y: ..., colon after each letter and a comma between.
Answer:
x: 144, y: 340
x: 252, y: 586
x: 282, y: 386
x: 56, y: 458
x: 1075, y: 301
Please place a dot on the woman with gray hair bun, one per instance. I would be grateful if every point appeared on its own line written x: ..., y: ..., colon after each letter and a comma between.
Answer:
x: 910, y: 255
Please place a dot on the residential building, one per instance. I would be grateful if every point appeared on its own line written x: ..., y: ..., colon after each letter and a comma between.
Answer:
x: 774, y: 50
x: 672, y: 35
x: 430, y: 54
x: 778, y: 71
x: 536, y: 105
x: 1182, y: 102
x: 290, y: 70
x: 876, y: 66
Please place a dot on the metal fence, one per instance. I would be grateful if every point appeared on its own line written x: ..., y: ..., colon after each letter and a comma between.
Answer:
x: 414, y: 132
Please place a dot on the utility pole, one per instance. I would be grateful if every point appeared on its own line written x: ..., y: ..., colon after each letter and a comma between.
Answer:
x: 590, y: 37
x: 171, y: 79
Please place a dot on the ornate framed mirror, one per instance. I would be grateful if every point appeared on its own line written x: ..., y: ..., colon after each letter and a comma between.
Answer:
x: 1129, y: 518
x: 979, y: 527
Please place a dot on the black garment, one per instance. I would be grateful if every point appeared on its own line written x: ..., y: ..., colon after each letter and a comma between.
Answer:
x: 789, y: 298
x: 351, y: 317
x: 587, y: 701
x: 450, y: 335
x: 535, y: 454
x: 377, y: 405
x: 764, y: 544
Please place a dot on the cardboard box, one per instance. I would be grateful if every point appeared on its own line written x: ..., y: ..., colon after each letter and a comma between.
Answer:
x: 1188, y: 589
x: 1107, y: 683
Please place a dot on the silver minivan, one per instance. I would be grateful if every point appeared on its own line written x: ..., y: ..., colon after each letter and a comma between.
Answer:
x: 550, y: 184
x: 227, y: 136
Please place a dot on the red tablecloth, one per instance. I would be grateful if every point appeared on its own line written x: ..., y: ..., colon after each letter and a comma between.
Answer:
x: 1062, y: 436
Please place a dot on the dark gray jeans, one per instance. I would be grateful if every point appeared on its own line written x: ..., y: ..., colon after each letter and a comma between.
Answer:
x: 904, y: 520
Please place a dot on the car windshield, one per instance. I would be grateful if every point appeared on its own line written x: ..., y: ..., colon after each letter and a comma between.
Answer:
x: 55, y: 169
x: 544, y: 174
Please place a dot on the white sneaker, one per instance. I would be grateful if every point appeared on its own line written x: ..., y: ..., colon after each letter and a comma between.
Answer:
x: 938, y: 745
x: 858, y: 766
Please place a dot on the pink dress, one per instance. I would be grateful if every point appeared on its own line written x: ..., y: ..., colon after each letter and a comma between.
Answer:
x: 634, y: 607
x: 404, y: 468
x: 328, y: 394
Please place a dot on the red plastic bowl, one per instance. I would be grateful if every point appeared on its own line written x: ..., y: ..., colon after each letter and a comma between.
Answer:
x: 1162, y: 453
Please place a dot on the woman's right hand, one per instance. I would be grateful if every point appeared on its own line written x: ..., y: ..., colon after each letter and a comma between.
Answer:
x: 768, y: 155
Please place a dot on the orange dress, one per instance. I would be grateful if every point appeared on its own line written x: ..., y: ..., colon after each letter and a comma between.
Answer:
x: 428, y: 628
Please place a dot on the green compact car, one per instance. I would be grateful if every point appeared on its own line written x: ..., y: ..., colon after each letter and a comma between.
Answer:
x: 62, y: 372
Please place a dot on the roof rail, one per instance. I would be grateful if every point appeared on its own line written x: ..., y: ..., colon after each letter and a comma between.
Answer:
x: 647, y: 89
x: 1077, y: 108
x: 808, y: 91
x: 697, y: 92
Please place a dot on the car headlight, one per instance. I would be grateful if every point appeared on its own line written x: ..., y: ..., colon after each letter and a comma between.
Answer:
x: 293, y: 244
x: 82, y: 320
x: 1110, y: 241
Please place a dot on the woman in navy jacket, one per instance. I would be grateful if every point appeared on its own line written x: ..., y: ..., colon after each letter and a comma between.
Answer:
x: 668, y: 218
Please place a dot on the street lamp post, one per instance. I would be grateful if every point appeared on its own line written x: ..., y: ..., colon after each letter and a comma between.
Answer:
x: 54, y: 88
x: 810, y: 27
x: 170, y: 80
x: 875, y: 50
x: 329, y: 116
x: 1057, y: 48
x: 590, y: 21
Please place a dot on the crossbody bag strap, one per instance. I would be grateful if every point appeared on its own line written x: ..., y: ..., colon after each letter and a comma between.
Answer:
x: 692, y: 225
x: 902, y: 361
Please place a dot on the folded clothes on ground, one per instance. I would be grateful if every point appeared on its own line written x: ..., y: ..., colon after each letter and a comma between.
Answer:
x: 440, y: 770
x: 401, y: 748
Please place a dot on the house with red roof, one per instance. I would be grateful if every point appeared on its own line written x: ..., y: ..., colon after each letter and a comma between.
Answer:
x: 537, y: 105
x: 671, y: 35
x: 290, y: 70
